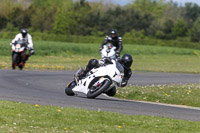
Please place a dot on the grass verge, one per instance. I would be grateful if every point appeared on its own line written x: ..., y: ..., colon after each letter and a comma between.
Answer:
x: 187, y: 94
x: 20, y: 117
x: 157, y: 63
x: 50, y: 48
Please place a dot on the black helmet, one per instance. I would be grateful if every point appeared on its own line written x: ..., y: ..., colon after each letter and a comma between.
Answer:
x: 126, y: 60
x: 24, y: 32
x: 113, y: 33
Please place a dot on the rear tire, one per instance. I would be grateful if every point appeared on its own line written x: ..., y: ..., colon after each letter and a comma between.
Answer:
x: 94, y: 94
x: 111, y: 92
x: 69, y: 87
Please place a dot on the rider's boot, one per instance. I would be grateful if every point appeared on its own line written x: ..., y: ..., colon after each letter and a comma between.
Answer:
x: 31, y: 52
x: 91, y: 64
x: 27, y: 56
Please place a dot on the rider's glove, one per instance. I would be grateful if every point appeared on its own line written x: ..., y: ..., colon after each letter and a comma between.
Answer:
x: 27, y: 48
x: 100, y: 49
x: 105, y: 61
x: 101, y: 62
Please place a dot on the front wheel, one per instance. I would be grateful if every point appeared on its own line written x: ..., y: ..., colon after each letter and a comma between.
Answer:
x: 94, y: 91
x: 14, y: 61
x: 69, y: 87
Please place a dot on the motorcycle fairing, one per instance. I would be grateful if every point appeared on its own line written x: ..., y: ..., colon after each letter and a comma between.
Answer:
x: 97, y: 75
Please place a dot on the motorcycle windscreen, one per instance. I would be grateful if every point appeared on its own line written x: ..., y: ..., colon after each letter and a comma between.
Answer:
x: 119, y: 74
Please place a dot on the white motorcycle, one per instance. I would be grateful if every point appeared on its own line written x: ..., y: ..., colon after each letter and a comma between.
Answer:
x: 97, y: 81
x: 108, y: 51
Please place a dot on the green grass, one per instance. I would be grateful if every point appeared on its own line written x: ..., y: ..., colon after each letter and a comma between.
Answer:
x: 187, y: 94
x: 47, y: 48
x: 167, y: 63
x: 71, y: 56
x: 162, y: 63
x: 21, y: 118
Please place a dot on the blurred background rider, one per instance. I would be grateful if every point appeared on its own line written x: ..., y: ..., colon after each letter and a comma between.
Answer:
x: 28, y: 39
x: 115, y: 40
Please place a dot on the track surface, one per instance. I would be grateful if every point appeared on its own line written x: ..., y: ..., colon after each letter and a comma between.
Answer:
x: 47, y: 88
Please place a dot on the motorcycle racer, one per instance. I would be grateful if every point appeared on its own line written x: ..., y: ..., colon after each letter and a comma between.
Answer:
x: 28, y: 38
x: 115, y: 40
x: 125, y: 61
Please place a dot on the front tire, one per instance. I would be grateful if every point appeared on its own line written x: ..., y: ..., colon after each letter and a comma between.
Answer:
x: 20, y: 67
x: 14, y: 61
x: 69, y: 87
x: 93, y: 94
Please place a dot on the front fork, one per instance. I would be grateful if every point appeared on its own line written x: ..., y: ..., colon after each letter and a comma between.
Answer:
x: 22, y: 57
x: 100, y: 81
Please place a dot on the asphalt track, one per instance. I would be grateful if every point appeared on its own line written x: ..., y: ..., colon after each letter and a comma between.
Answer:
x: 47, y: 88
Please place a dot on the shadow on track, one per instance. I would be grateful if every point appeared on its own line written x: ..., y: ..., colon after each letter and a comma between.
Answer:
x: 100, y: 98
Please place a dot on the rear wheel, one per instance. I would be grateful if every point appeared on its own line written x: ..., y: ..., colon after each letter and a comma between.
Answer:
x: 96, y: 91
x: 111, y: 92
x: 69, y: 87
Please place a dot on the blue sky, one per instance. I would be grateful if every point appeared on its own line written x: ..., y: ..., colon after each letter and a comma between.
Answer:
x: 124, y: 2
x: 185, y: 1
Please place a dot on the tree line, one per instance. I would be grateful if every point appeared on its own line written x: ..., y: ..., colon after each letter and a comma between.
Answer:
x: 139, y: 19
